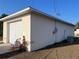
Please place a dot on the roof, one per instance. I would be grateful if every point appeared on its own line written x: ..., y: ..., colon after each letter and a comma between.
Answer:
x: 29, y: 10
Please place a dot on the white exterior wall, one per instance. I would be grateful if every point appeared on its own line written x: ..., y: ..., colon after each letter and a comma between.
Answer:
x: 76, y: 33
x: 63, y: 31
x: 42, y: 28
x: 26, y: 28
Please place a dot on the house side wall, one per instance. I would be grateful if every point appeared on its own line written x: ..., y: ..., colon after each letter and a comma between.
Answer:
x: 42, y: 31
x: 26, y: 28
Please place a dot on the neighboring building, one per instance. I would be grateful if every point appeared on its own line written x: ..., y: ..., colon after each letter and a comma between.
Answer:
x: 40, y: 29
x: 76, y: 33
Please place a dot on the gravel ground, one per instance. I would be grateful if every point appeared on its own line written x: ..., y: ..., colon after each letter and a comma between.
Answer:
x: 54, y: 52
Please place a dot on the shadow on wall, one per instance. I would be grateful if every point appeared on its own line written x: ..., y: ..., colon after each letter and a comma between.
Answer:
x: 66, y: 42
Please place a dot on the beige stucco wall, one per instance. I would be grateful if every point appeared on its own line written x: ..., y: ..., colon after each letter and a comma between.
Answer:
x: 42, y: 31
x: 26, y: 28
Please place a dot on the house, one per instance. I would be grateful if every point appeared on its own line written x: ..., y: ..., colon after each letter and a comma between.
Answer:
x: 39, y: 28
x: 76, y: 33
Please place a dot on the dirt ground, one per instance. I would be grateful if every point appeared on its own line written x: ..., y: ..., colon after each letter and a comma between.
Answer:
x: 62, y: 51
x: 67, y: 52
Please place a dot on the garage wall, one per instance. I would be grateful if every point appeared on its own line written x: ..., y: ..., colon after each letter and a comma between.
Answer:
x: 42, y: 31
x: 26, y: 28
x: 5, y: 33
x: 63, y: 31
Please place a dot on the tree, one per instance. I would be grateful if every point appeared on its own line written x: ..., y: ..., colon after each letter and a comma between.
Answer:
x: 77, y: 25
x: 1, y: 23
x: 3, y: 15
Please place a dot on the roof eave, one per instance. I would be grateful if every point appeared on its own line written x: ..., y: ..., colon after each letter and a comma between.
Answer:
x: 30, y: 9
x: 52, y: 17
x: 27, y: 10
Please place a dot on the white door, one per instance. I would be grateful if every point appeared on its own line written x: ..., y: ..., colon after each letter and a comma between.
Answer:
x: 15, y: 31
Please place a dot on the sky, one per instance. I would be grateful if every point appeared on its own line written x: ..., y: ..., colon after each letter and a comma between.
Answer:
x: 67, y: 10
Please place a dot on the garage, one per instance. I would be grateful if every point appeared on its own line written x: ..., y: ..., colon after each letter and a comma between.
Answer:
x: 39, y: 29
x: 15, y: 31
